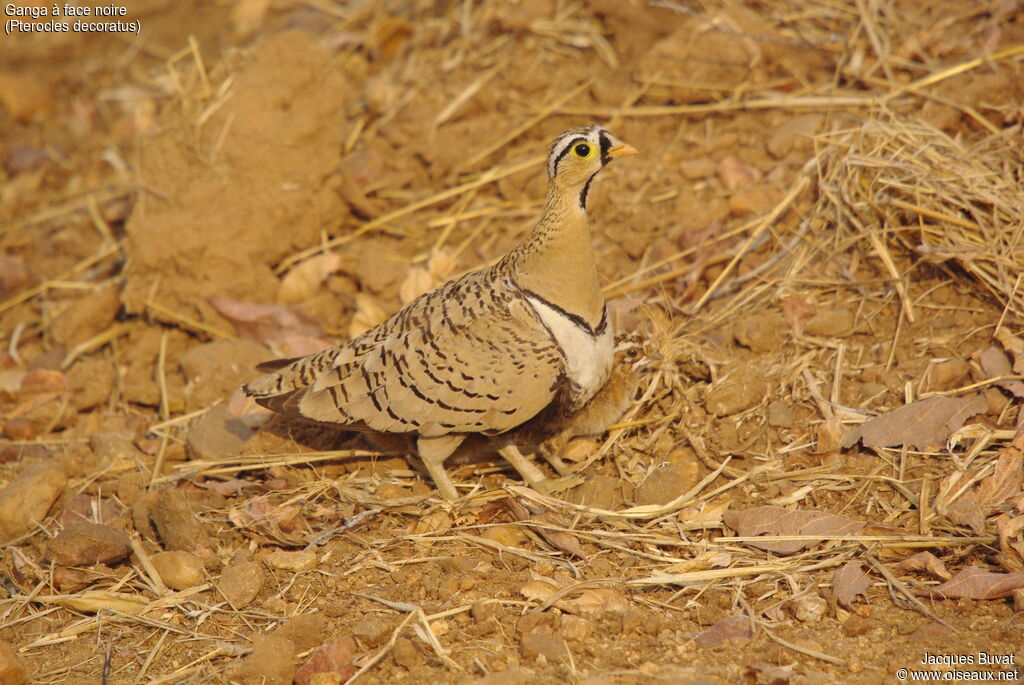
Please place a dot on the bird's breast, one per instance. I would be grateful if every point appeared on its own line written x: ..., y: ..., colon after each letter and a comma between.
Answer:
x: 588, y: 352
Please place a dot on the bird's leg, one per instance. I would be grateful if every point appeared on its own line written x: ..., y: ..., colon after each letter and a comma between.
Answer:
x: 550, y: 450
x: 433, y: 451
x: 533, y: 475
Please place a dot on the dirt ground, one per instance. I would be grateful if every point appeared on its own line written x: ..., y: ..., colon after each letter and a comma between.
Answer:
x: 820, y: 246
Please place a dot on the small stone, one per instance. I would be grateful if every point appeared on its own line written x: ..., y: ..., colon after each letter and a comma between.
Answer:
x: 931, y: 633
x: 70, y: 580
x: 12, y: 670
x: 217, y: 435
x: 241, y: 582
x: 831, y: 323
x: 542, y: 643
x: 301, y: 560
x: 176, y: 522
x: 25, y: 98
x: 83, y: 543
x: 856, y: 625
x: 90, y: 382
x: 512, y: 676
x: 179, y: 570
x: 694, y: 169
x: 20, y: 428
x: 306, y: 631
x: 483, y: 610
x: 372, y: 631
x: 269, y: 662
x: 333, y: 657
x: 28, y: 497
x: 810, y: 609
x: 405, y: 653
x: 780, y: 414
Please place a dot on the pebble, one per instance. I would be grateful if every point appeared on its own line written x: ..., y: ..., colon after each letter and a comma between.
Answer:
x: 810, y: 609
x: 297, y: 561
x: 175, y: 521
x: 780, y: 414
x: 28, y: 497
x: 760, y: 332
x: 575, y: 627
x: 20, y: 428
x: 793, y: 133
x: 305, y: 631
x: 241, y: 582
x: 856, y: 625
x: 86, y: 317
x: 25, y: 98
x: 12, y: 670
x: 757, y: 200
x: 405, y: 653
x: 600, y: 492
x: 512, y: 676
x: 740, y: 391
x: 735, y: 174
x: 333, y: 657
x: 83, y: 543
x: 269, y: 662
x: 179, y: 570
x: 510, y: 536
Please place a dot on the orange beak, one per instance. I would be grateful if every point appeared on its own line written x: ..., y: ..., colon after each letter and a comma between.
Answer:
x: 622, y: 150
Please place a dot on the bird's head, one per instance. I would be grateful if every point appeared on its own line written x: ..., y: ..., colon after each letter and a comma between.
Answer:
x: 578, y: 154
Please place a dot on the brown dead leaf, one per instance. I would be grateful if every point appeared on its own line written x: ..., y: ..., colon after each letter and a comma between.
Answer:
x: 850, y: 581
x: 1011, y: 542
x: 994, y: 363
x: 279, y: 523
x: 927, y: 562
x: 919, y: 425
x: 305, y: 279
x: 1005, y: 482
x: 15, y: 275
x: 368, y: 314
x: 1015, y: 346
x: 416, y: 282
x: 726, y: 630
x: 974, y: 582
x: 267, y: 323
x: 560, y: 539
x: 771, y: 520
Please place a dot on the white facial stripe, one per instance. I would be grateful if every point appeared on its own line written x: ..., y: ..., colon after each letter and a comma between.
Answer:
x: 558, y: 149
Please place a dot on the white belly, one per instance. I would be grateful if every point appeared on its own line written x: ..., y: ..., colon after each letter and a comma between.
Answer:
x: 588, y: 358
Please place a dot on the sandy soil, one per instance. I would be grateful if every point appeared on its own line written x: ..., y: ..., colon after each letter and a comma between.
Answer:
x: 823, y: 229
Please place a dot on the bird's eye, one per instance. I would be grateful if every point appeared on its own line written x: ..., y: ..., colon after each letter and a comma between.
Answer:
x: 582, y: 150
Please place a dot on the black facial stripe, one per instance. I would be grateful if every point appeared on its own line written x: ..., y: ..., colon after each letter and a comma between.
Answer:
x: 583, y: 193
x: 606, y: 145
x: 564, y: 152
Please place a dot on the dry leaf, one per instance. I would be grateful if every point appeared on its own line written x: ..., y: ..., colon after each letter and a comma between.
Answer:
x: 778, y: 521
x: 919, y: 425
x: 305, y: 279
x: 1011, y: 551
x: 925, y: 561
x: 976, y: 583
x: 1005, y: 482
x: 277, y: 522
x: 14, y: 275
x: 1015, y: 346
x: 725, y: 630
x: 850, y: 581
x: 994, y: 362
x: 267, y: 323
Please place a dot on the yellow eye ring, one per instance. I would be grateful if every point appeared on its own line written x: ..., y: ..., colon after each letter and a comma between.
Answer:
x: 583, y: 150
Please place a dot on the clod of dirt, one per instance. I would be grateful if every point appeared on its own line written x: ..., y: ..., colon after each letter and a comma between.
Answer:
x: 304, y: 631
x: 213, y: 370
x: 510, y: 536
x: 736, y: 174
x: 90, y: 382
x: 856, y: 626
x: 333, y: 657
x: 575, y: 627
x: 793, y: 133
x: 934, y: 633
x: 28, y: 497
x: 24, y: 97
x: 372, y: 631
x: 831, y: 323
x: 12, y: 671
x: 733, y: 628
x: 756, y: 200
x: 271, y: 662
x: 20, y: 429
x: 241, y: 582
x: 737, y: 392
x: 175, y: 520
x: 14, y: 275
x: 810, y: 608
x: 761, y: 332
x: 86, y: 316
x: 69, y: 580
x: 296, y: 562
x: 179, y: 570
x: 83, y: 543
x: 217, y: 434
x: 513, y: 676
x: 541, y: 642
x: 670, y: 479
